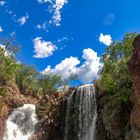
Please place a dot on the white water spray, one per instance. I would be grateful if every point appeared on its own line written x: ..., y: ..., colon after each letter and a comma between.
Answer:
x: 21, y: 123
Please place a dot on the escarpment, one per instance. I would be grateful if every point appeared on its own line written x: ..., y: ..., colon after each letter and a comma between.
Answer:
x: 134, y: 66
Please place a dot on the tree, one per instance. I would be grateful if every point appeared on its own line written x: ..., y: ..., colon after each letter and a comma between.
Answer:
x: 114, y: 76
x: 8, y: 65
x: 27, y: 79
x: 49, y: 83
x: 10, y: 45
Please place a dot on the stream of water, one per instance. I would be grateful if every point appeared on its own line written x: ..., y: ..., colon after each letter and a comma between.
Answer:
x: 21, y: 123
x: 81, y: 114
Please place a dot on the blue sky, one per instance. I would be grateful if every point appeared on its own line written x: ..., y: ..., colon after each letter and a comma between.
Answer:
x: 63, y: 36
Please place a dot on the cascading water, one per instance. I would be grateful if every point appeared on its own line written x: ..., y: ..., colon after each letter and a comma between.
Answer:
x: 21, y: 123
x: 81, y: 114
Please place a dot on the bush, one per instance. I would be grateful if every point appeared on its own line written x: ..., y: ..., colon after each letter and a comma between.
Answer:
x: 114, y: 76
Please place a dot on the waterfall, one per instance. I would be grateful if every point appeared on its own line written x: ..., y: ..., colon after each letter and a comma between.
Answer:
x: 81, y: 114
x: 21, y: 123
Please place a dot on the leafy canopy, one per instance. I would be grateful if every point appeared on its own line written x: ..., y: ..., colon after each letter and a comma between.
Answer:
x: 28, y: 80
x: 114, y: 76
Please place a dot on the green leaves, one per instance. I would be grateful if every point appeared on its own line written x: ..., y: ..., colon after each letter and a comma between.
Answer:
x: 49, y: 83
x: 8, y: 66
x: 115, y: 77
x: 28, y: 80
x: 32, y: 82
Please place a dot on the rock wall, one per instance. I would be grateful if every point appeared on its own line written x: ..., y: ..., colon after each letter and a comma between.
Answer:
x: 134, y: 66
x: 113, y: 118
x: 8, y: 103
x: 117, y: 122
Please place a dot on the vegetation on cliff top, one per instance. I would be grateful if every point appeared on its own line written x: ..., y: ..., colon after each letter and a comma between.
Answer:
x: 21, y: 84
x: 114, y: 76
x: 28, y: 80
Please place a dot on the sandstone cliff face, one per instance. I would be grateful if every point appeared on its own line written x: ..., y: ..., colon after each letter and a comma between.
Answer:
x: 134, y: 66
x: 8, y: 103
x: 113, y: 117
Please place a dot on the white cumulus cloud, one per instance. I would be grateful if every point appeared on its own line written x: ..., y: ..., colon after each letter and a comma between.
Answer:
x: 43, y: 48
x: 2, y: 3
x: 57, y: 12
x: 69, y: 67
x: 23, y: 19
x: 1, y: 30
x: 65, y: 68
x: 55, y: 8
x: 105, y: 39
x: 44, y: 1
x: 88, y: 71
x: 42, y: 26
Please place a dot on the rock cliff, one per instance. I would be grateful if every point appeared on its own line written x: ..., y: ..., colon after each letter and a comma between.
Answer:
x: 116, y: 121
x: 134, y: 66
x: 113, y: 118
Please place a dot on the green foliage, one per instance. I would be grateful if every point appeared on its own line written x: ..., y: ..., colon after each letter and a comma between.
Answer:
x: 114, y: 76
x: 8, y: 66
x: 26, y: 78
x: 2, y: 92
x: 49, y: 83
x: 10, y: 45
x: 32, y: 82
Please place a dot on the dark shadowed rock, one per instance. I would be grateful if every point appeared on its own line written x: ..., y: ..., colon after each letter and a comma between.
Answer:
x: 134, y: 66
